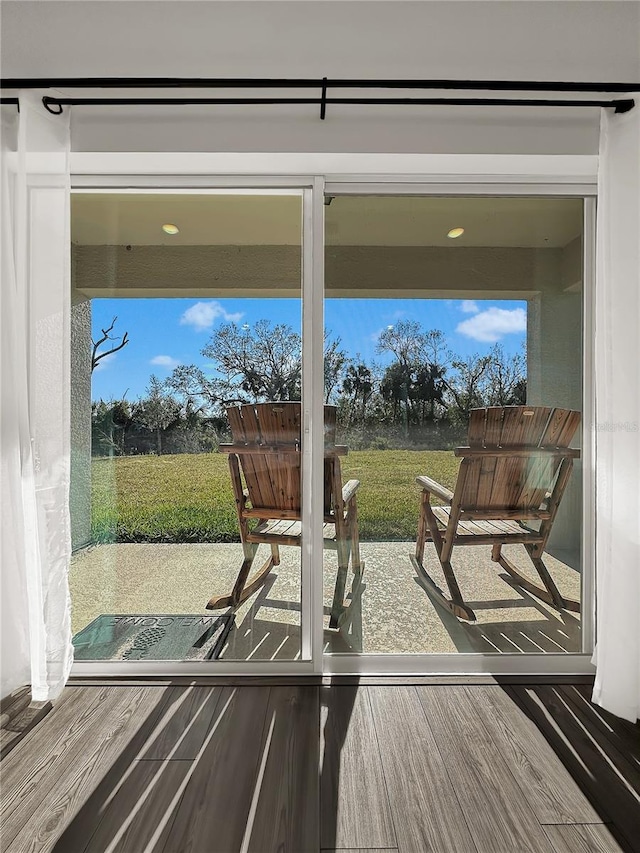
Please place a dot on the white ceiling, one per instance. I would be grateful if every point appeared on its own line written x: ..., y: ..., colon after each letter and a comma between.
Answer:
x: 205, y: 219
x: 498, y: 39
x: 412, y: 221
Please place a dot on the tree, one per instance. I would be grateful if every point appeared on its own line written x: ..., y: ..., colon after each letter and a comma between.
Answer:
x: 110, y: 424
x: 358, y: 384
x: 335, y: 360
x: 192, y: 387
x: 428, y: 389
x: 467, y: 385
x: 414, y: 382
x: 436, y: 348
x: 394, y: 388
x: 506, y: 378
x: 263, y: 363
x: 405, y: 340
x: 253, y: 365
x: 157, y: 410
x: 96, y: 357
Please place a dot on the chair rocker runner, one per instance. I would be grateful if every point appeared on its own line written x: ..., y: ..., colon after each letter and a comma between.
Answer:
x: 266, y: 454
x: 512, y: 476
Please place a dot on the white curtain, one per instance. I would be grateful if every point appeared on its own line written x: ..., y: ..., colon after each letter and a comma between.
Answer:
x: 34, y: 318
x: 617, y: 358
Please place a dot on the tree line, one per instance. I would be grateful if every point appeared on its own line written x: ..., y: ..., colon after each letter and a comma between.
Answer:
x: 420, y: 395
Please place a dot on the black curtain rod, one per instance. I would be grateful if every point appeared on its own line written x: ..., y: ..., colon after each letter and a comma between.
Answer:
x: 303, y: 83
x: 54, y: 105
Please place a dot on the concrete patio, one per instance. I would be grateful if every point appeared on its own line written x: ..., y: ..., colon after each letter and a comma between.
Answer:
x: 395, y: 614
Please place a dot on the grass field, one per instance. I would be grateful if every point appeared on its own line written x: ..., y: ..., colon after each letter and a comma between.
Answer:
x: 188, y: 498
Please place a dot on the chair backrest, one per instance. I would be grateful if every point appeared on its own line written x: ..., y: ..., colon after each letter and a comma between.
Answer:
x: 514, y: 457
x: 272, y: 433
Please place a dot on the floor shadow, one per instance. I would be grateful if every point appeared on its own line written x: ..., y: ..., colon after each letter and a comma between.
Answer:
x: 221, y: 769
x: 348, y: 638
x: 263, y: 639
x: 96, y: 813
x: 257, y: 638
x: 555, y: 632
x: 600, y: 751
x: 337, y: 702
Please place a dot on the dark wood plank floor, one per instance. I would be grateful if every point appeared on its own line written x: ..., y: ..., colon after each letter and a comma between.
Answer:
x: 287, y: 767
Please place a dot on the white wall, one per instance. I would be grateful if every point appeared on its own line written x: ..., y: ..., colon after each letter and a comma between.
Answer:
x: 553, y: 40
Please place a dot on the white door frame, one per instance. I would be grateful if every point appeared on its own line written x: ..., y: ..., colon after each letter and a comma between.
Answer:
x: 315, y: 174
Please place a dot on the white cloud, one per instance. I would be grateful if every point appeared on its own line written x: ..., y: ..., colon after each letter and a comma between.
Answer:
x: 491, y: 325
x: 469, y: 306
x: 165, y: 361
x: 203, y: 315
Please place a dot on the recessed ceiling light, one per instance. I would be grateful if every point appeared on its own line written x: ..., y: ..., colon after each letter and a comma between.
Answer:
x: 170, y: 229
x: 455, y: 232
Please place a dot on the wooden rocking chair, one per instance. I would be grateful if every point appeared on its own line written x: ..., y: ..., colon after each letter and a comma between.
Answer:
x: 514, y: 472
x: 266, y: 453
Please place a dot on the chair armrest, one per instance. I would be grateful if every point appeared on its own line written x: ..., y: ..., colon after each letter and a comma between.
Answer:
x: 349, y: 490
x: 429, y: 485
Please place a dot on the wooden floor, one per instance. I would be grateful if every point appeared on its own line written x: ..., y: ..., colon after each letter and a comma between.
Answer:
x: 468, y: 768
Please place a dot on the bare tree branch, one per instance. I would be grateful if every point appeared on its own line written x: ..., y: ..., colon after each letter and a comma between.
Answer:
x: 106, y: 336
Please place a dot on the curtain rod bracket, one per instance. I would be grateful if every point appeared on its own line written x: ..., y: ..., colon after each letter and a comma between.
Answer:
x: 51, y: 102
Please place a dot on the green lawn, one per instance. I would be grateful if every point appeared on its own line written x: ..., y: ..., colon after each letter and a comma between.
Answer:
x: 188, y: 498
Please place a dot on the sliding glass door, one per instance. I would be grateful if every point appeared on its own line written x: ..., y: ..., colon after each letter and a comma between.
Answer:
x: 271, y: 387
x: 452, y: 321
x: 187, y: 353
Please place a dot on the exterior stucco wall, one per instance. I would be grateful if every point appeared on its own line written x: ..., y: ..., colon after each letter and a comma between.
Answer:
x: 80, y: 492
x: 351, y: 271
x: 554, y: 374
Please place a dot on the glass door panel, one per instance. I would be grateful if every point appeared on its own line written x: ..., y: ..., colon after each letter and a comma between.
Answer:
x: 186, y: 337
x: 434, y: 308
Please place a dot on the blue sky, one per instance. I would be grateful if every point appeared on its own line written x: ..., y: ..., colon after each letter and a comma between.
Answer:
x: 167, y: 332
